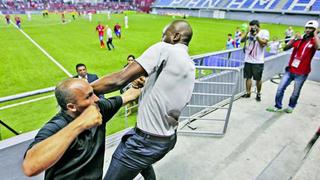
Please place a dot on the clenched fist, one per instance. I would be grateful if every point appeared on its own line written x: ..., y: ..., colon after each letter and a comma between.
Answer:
x: 139, y: 83
x: 90, y: 117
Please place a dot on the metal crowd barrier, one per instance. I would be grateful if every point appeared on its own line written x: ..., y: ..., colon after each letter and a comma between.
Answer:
x: 216, y: 91
x: 211, y: 93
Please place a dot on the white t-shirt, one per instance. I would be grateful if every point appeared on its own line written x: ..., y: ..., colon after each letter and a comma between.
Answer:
x: 274, y: 47
x: 254, y: 52
x: 109, y: 32
x: 289, y: 33
x: 168, y: 92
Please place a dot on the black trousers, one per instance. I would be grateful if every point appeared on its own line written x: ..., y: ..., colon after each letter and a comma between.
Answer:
x: 109, y: 43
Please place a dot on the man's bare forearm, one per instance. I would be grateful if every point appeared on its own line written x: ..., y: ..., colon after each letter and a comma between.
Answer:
x: 116, y: 80
x: 262, y: 42
x: 49, y: 151
x: 317, y: 40
x: 130, y: 95
x: 288, y: 45
x: 46, y: 153
x: 244, y: 38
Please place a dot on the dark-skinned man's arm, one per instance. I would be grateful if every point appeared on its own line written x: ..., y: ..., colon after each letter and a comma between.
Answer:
x: 115, y: 81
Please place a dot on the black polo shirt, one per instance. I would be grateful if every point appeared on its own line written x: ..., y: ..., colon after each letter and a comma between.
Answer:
x: 84, y: 157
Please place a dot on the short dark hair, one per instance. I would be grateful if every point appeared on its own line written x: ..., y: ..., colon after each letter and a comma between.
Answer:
x: 79, y: 65
x: 63, y: 93
x: 229, y: 34
x: 131, y: 56
x: 254, y: 22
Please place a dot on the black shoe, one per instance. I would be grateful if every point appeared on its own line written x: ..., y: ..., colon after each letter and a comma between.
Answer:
x: 258, y: 97
x: 246, y: 95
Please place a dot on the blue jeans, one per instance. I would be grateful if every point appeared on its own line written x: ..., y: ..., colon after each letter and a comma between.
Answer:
x: 136, y: 154
x: 285, y: 82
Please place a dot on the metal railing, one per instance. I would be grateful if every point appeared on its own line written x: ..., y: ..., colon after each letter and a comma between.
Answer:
x: 8, y: 127
x: 214, y: 92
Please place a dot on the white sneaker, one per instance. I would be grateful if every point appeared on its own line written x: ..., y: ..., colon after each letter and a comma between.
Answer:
x: 289, y: 109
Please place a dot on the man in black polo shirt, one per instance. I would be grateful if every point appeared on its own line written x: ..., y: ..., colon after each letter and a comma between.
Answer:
x: 71, y: 145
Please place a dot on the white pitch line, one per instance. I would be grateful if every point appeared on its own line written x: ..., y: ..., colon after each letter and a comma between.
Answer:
x: 26, y: 102
x: 44, y: 51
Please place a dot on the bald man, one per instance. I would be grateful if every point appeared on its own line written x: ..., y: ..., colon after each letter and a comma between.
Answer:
x: 171, y: 77
x: 71, y: 145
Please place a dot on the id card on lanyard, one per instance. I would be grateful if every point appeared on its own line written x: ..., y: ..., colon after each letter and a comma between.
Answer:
x: 296, y: 62
x: 297, y: 59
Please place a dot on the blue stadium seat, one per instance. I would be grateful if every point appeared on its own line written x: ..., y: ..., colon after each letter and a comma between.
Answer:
x: 299, y: 8
x: 260, y: 6
x: 300, y: 5
x: 274, y: 4
x: 316, y: 6
x: 247, y: 4
x: 287, y: 5
x: 164, y: 2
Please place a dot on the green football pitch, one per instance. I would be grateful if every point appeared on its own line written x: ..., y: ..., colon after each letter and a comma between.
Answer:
x: 25, y: 68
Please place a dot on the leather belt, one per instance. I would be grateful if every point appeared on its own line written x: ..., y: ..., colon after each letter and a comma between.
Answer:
x: 152, y: 136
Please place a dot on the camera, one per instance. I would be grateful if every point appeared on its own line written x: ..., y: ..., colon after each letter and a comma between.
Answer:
x: 253, y: 30
x: 251, y: 38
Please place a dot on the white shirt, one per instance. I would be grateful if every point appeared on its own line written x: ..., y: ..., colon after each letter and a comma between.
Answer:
x: 274, y: 47
x: 126, y: 19
x: 254, y: 52
x: 109, y: 32
x: 289, y: 33
x: 166, y: 92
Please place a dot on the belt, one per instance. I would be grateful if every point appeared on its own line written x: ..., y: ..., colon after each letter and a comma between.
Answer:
x: 152, y: 136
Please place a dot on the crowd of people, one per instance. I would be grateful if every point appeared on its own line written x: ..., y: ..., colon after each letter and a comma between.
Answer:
x: 274, y: 46
x: 304, y: 47
x: 58, y: 5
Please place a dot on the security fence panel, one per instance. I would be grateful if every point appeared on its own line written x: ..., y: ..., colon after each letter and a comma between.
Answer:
x: 212, y: 92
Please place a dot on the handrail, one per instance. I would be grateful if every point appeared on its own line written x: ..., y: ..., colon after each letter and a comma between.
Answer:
x: 9, y: 128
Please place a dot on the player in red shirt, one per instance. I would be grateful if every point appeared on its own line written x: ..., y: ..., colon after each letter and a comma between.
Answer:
x: 100, y: 28
x: 117, y: 30
x: 299, y: 65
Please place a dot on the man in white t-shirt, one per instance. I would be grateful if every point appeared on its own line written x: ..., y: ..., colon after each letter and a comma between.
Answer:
x: 90, y: 16
x: 274, y: 45
x: 126, y: 21
x: 288, y: 34
x: 171, y: 77
x: 109, y: 38
x: 256, y: 40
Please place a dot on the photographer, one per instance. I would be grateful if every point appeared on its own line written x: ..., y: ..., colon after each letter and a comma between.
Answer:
x: 299, y: 65
x: 255, y: 42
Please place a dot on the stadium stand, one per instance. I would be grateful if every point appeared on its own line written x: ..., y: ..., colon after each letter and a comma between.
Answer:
x: 55, y: 5
x: 307, y: 6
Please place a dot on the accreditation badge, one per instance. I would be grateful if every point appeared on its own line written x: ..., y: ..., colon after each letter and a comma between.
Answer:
x: 296, y: 62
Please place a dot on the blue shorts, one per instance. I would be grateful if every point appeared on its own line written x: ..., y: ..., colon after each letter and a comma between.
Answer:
x: 101, y: 38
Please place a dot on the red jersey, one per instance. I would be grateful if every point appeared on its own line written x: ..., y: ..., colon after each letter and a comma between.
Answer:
x: 117, y: 27
x: 302, y: 54
x: 100, y: 30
